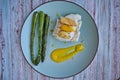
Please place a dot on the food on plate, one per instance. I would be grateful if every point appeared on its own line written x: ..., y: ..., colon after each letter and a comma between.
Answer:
x: 67, y: 21
x: 34, y: 22
x: 45, y: 30
x: 68, y: 28
x: 63, y: 54
x: 42, y: 28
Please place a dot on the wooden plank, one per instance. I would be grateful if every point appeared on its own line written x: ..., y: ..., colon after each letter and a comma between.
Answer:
x: 1, y: 40
x: 6, y: 54
x: 103, y: 52
x: 16, y: 21
x: 29, y: 73
x: 114, y: 40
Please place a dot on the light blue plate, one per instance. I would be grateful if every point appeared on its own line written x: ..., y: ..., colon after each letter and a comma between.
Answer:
x: 89, y: 36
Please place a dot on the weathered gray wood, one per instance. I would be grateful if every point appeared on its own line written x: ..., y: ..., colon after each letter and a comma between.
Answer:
x: 114, y: 40
x: 106, y: 64
x: 1, y: 40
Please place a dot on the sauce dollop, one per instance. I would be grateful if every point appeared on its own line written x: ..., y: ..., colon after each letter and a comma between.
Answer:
x: 63, y: 54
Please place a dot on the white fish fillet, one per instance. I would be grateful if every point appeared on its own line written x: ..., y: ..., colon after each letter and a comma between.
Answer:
x: 74, y: 35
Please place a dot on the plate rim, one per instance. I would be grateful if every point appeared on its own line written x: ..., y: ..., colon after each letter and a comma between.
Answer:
x: 95, y: 50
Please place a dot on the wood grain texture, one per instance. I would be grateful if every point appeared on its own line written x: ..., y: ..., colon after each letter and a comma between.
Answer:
x: 106, y: 64
x: 1, y: 39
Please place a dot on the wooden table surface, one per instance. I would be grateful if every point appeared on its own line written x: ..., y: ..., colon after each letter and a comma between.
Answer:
x: 106, y: 64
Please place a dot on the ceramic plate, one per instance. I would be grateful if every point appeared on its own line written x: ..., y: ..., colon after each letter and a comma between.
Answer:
x: 89, y: 36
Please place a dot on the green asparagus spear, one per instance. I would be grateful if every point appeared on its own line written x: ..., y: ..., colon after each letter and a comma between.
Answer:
x: 45, y: 30
x: 34, y: 22
x: 40, y: 32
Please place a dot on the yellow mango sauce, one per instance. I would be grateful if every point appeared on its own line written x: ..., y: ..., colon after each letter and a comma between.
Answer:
x: 63, y: 54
